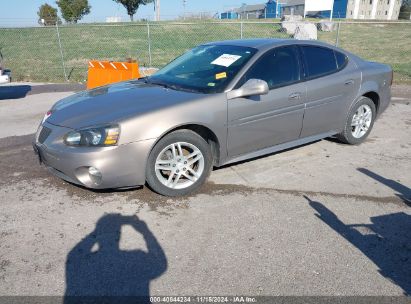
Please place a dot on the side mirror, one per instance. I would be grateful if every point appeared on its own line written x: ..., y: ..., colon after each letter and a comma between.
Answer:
x: 251, y: 88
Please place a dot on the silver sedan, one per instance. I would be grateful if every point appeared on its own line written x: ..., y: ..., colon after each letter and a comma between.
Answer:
x: 219, y: 103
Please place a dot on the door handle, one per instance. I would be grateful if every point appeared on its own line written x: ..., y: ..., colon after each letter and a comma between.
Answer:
x: 349, y: 82
x: 294, y: 96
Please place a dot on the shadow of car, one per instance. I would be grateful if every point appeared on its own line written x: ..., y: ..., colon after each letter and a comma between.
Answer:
x: 14, y: 92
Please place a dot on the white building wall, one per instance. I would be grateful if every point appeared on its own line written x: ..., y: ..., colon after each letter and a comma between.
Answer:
x: 374, y: 9
x: 391, y: 10
x: 356, y: 8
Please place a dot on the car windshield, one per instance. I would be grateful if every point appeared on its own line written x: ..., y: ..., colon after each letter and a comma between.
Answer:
x: 206, y: 69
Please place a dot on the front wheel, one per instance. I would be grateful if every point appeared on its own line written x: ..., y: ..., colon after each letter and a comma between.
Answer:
x: 179, y: 163
x: 359, y: 122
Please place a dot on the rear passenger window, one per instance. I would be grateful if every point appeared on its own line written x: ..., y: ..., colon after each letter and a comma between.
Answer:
x: 341, y: 59
x: 319, y: 61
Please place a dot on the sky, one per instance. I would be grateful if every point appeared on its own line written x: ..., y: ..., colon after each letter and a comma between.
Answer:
x: 24, y: 12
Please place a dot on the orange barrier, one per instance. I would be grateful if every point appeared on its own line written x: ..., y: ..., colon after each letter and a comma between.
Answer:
x: 105, y: 72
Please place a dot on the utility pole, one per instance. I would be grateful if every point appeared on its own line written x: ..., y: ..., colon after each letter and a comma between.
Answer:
x: 157, y: 10
x: 243, y: 6
x: 184, y: 9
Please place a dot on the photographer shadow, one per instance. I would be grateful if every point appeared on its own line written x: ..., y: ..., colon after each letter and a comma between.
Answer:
x: 386, y: 241
x: 403, y: 192
x: 98, y: 271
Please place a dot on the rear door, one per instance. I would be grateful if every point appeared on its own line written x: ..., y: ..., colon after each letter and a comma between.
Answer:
x: 263, y: 121
x: 332, y: 84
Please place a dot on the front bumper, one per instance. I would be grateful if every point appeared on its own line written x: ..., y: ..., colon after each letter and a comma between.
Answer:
x: 120, y: 166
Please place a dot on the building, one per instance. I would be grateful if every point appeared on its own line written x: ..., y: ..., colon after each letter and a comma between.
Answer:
x: 364, y: 9
x: 251, y: 11
x: 373, y: 9
x: 350, y: 9
x: 229, y: 15
x: 271, y: 9
x: 255, y: 11
x: 113, y: 19
x: 339, y: 10
x: 293, y: 7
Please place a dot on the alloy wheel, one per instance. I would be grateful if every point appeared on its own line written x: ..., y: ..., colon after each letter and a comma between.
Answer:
x: 361, y: 121
x: 179, y: 165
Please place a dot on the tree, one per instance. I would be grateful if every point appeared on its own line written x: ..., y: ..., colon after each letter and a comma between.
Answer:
x: 132, y: 5
x: 73, y: 10
x: 48, y: 14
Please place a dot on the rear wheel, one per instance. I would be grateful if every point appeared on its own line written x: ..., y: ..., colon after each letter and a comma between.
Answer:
x: 179, y: 163
x: 359, y: 122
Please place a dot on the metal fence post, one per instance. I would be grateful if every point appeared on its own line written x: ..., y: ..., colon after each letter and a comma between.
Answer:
x: 241, y: 29
x: 61, y: 51
x: 149, y: 43
x: 337, y: 39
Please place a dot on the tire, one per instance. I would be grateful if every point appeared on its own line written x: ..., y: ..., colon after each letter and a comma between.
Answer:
x: 185, y: 155
x: 358, y: 124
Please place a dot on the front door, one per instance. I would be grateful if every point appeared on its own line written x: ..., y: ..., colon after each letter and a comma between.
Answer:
x: 259, y: 122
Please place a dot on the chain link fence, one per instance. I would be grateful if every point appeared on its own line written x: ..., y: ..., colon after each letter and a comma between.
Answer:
x: 61, y: 53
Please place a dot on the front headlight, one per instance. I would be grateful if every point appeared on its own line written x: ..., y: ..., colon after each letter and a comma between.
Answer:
x: 92, y: 137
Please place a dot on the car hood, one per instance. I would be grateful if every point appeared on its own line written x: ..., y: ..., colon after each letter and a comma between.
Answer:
x: 113, y: 103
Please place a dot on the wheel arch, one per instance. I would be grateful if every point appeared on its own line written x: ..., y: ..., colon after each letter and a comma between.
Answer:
x: 375, y: 99
x: 205, y: 132
x: 370, y: 89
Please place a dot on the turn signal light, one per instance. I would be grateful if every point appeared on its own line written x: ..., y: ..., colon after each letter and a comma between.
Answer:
x: 112, y: 137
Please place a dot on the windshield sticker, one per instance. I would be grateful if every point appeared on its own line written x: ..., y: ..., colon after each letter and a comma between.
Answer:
x: 221, y: 75
x: 226, y: 60
x: 211, y: 84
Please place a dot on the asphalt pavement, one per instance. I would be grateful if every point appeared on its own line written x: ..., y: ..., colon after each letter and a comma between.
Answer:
x: 324, y: 219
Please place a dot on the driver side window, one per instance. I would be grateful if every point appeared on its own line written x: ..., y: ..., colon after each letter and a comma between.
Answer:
x: 278, y: 67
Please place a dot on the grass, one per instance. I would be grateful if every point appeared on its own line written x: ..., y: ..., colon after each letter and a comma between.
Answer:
x: 33, y: 54
x: 387, y: 43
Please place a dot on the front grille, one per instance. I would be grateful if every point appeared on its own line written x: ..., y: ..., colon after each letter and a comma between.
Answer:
x: 44, y: 133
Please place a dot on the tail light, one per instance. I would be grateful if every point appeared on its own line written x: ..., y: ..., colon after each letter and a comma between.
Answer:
x: 392, y: 77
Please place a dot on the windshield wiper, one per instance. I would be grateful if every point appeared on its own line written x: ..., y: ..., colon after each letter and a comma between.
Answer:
x: 148, y: 81
x: 169, y: 86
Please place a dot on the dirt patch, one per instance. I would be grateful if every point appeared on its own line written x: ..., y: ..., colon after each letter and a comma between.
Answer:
x: 18, y: 163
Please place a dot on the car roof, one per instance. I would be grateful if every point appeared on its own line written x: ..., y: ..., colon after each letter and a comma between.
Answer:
x: 262, y: 44
x: 254, y: 43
